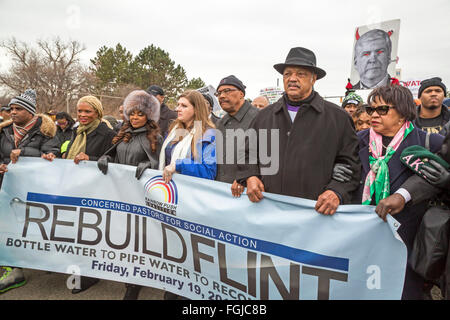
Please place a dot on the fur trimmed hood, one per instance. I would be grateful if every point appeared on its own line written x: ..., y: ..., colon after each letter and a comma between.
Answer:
x: 48, y: 127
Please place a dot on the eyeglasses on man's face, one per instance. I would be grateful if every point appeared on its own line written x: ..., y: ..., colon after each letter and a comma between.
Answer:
x: 225, y: 91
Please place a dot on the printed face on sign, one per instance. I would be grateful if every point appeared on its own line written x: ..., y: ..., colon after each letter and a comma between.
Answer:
x: 372, y: 57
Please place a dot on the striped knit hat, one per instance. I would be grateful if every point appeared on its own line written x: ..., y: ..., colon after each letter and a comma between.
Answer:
x: 26, y: 100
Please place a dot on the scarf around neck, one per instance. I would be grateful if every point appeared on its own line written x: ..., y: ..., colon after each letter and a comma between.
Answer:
x: 20, y: 132
x: 377, y: 181
x: 309, y: 99
x: 180, y: 151
x: 79, y: 144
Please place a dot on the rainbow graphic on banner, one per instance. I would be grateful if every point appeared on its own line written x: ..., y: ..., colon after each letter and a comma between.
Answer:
x: 161, y: 191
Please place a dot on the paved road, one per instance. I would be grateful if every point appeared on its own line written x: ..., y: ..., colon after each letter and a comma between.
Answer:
x: 43, y: 285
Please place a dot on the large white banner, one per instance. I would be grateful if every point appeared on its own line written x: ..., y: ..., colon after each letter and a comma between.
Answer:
x: 191, y: 237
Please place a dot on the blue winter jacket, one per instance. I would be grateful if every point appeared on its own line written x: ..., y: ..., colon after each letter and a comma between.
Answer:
x: 204, y: 165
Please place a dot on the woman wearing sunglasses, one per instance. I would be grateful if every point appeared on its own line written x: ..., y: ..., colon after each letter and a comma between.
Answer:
x: 391, y: 110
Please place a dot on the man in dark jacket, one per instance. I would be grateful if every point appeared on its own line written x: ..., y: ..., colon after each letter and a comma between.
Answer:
x: 166, y: 116
x: 313, y: 135
x: 433, y: 115
x: 240, y: 114
x: 25, y: 135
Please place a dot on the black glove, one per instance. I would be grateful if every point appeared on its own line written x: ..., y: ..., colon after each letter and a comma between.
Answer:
x: 102, y: 163
x: 141, y: 168
x: 342, y: 172
x: 437, y: 176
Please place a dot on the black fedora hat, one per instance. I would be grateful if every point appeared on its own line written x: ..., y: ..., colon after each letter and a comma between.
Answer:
x: 301, y: 57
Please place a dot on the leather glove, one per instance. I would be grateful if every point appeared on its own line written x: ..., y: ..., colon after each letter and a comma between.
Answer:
x: 342, y: 172
x: 102, y: 163
x: 141, y: 168
x: 437, y: 176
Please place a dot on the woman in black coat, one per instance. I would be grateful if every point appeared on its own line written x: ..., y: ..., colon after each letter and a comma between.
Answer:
x: 65, y: 130
x: 138, y: 143
x: 92, y: 139
x: 392, y: 110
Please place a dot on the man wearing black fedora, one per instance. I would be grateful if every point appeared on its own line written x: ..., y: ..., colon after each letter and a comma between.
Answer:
x: 314, y: 135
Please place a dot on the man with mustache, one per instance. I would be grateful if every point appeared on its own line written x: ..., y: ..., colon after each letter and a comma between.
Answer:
x: 372, y: 57
x: 239, y: 115
x: 433, y: 115
x: 313, y: 136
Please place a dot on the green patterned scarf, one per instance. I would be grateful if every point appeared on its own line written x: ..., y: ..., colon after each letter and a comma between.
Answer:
x: 377, y: 181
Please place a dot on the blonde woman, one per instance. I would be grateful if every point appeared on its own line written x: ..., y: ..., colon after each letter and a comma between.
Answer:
x: 91, y: 139
x: 93, y: 136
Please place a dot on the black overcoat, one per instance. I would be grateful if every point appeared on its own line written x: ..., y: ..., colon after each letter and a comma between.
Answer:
x: 97, y: 142
x: 321, y: 135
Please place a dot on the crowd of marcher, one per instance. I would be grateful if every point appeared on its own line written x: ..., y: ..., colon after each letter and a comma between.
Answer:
x: 348, y: 154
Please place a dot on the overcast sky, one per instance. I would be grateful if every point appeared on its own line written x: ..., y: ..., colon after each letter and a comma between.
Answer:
x: 213, y: 39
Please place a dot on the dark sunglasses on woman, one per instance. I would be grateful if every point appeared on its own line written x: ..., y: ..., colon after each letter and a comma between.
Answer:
x: 381, y: 110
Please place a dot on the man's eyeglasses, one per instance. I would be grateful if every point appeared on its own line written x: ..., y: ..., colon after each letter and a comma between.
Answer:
x: 226, y: 91
x: 381, y: 110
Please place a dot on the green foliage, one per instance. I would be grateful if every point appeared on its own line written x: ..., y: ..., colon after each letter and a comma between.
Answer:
x: 112, y: 66
x: 117, y: 66
x: 195, y: 83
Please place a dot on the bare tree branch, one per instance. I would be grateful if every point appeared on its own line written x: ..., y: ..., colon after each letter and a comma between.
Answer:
x: 52, y: 68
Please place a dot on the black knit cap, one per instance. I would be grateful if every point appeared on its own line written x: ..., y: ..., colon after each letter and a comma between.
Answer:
x: 209, y: 99
x: 155, y: 90
x: 436, y: 81
x: 232, y: 81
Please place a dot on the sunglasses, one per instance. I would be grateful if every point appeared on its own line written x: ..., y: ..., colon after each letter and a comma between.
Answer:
x: 381, y: 110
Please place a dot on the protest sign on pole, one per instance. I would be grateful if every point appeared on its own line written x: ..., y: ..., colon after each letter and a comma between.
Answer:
x: 271, y: 93
x: 413, y: 85
x: 191, y: 237
x: 374, y: 57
